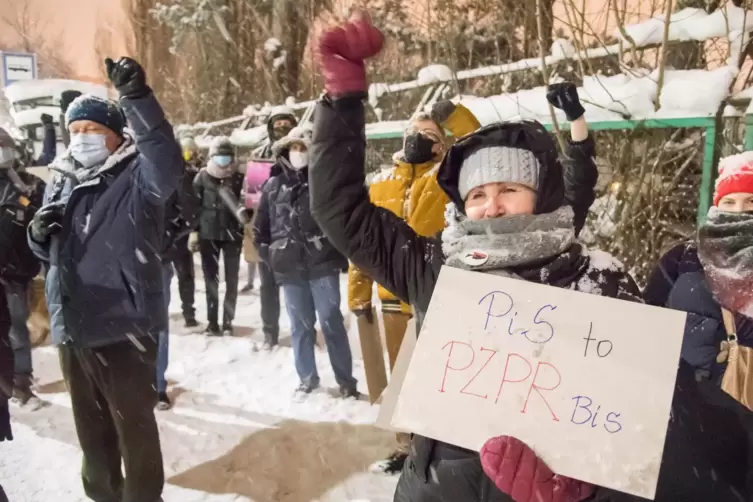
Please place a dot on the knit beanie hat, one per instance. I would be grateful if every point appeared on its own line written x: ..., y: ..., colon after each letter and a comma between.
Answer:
x: 498, y: 164
x: 221, y: 146
x: 101, y: 111
x: 188, y: 143
x: 735, y: 175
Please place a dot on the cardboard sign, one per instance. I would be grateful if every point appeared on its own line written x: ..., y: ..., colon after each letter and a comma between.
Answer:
x: 388, y: 399
x: 584, y: 380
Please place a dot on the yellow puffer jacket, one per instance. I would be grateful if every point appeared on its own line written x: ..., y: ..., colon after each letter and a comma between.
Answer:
x: 410, y: 191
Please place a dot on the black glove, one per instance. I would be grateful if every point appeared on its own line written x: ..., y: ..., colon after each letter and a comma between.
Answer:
x: 442, y: 110
x: 565, y: 97
x: 46, y: 119
x: 367, y: 314
x: 128, y: 77
x: 47, y: 221
x: 66, y: 98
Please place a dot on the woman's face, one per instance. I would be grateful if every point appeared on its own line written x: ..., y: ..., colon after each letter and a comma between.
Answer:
x: 494, y: 200
x: 736, y: 202
x: 297, y: 147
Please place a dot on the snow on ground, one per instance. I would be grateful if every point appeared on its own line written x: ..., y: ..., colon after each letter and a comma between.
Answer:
x: 236, y: 432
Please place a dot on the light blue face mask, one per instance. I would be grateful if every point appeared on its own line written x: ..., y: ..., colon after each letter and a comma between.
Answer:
x: 222, y: 160
x: 89, y: 149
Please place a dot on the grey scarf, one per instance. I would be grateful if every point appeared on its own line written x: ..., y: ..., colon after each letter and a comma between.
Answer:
x: 498, y: 244
x: 725, y: 247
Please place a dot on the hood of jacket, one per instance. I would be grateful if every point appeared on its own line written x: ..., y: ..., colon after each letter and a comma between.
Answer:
x: 528, y: 135
x: 279, y: 112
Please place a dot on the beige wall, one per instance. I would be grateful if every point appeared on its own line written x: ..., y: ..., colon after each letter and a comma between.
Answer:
x: 71, y: 25
x: 70, y: 28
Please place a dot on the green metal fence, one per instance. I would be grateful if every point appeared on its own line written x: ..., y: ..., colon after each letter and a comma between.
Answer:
x: 708, y: 124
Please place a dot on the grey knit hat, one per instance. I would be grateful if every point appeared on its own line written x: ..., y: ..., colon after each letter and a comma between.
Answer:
x: 498, y: 164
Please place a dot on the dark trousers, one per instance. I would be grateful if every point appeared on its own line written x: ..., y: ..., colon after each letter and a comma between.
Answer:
x: 17, y: 297
x: 210, y: 263
x: 113, y: 397
x: 183, y: 263
x: 270, y: 304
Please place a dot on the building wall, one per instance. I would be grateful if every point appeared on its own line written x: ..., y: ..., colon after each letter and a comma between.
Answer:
x: 70, y: 28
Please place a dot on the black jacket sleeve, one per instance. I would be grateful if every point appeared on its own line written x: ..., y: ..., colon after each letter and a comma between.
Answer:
x: 6, y: 368
x: 375, y: 240
x: 262, y: 228
x: 49, y: 146
x: 581, y: 175
x: 663, y: 277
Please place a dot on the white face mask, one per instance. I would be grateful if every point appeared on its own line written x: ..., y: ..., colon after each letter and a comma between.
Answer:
x: 299, y: 160
x: 89, y: 149
x: 7, y: 156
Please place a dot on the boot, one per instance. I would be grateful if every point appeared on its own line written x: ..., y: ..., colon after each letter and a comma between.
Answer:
x: 23, y: 394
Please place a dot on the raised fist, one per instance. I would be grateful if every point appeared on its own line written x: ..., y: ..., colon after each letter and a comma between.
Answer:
x: 128, y: 77
x: 564, y: 96
x: 46, y: 119
x: 342, y: 51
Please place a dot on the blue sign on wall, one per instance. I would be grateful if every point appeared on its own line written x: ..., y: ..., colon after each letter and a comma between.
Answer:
x: 18, y: 66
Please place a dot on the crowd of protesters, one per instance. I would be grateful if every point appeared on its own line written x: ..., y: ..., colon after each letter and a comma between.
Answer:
x: 300, y: 213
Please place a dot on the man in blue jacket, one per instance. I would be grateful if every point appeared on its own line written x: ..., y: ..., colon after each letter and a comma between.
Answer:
x: 100, y: 232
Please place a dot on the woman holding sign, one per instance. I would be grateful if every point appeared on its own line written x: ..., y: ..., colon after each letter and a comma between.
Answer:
x: 508, y: 216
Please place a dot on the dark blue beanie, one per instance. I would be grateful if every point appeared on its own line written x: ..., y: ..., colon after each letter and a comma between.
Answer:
x: 101, y: 111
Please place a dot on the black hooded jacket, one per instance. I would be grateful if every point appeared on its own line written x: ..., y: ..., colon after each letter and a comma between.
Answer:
x: 286, y: 235
x: 266, y: 152
x: 387, y: 249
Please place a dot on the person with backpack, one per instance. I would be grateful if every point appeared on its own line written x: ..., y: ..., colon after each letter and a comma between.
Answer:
x: 508, y: 216
x: 221, y: 219
x: 21, y: 195
x: 100, y: 232
x: 711, y: 277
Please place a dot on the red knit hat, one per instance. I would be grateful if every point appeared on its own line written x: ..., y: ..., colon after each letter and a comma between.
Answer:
x: 735, y: 175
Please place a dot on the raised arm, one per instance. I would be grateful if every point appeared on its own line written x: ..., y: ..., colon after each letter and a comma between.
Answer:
x: 374, y: 239
x: 580, y: 170
x: 49, y: 145
x: 161, y: 161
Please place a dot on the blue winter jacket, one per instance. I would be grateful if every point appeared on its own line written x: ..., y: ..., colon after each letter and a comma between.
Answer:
x: 679, y: 282
x: 104, y: 283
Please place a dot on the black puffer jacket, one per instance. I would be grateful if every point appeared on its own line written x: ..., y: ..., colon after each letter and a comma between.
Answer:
x: 381, y: 244
x: 679, y: 282
x: 6, y: 368
x: 18, y: 264
x: 287, y: 236
x: 216, y: 221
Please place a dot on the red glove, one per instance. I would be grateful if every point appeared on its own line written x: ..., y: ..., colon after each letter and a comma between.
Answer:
x: 342, y: 51
x: 518, y: 472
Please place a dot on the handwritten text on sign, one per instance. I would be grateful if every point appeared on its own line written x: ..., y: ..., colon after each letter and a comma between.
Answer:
x: 587, y: 381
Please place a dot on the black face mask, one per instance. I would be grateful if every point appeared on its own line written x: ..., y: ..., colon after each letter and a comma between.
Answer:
x: 417, y: 148
x: 281, y: 132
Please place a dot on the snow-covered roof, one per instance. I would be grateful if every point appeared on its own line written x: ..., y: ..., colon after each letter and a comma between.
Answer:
x: 32, y: 115
x: 249, y: 137
x: 691, y: 24
x: 30, y: 89
x: 686, y: 93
